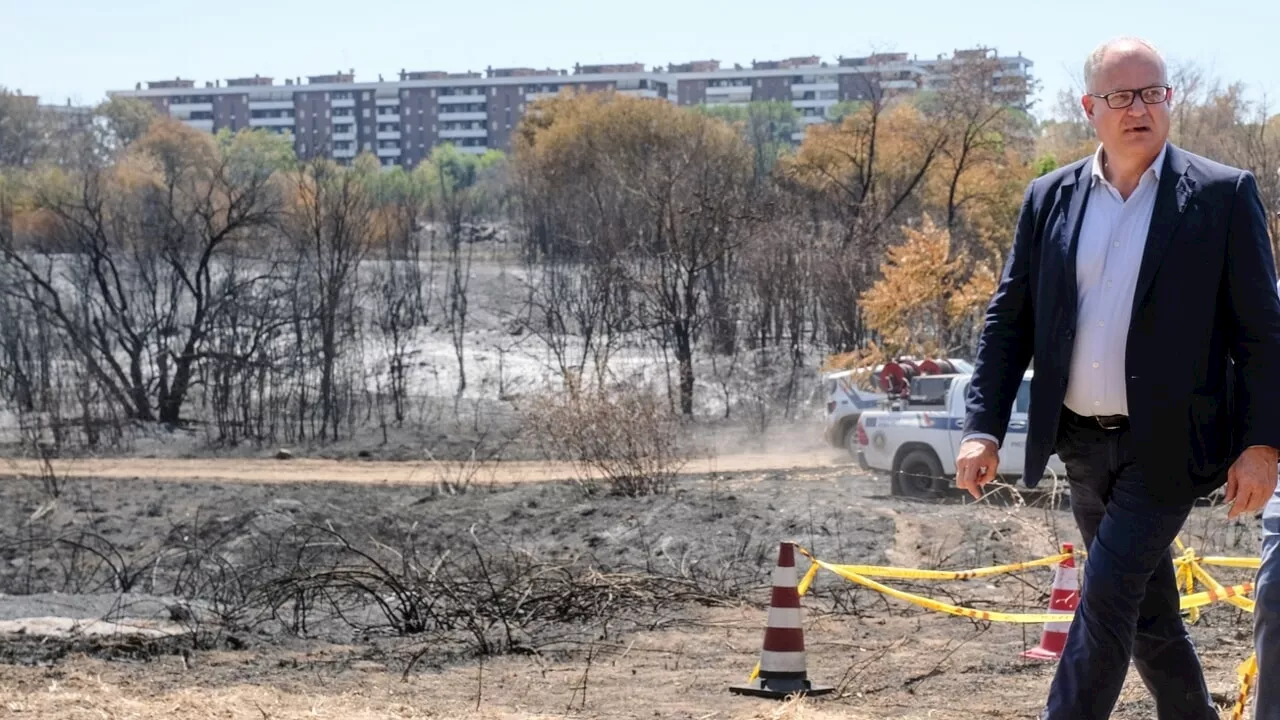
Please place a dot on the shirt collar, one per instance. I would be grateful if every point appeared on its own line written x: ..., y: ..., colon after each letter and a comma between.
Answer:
x: 1156, y: 167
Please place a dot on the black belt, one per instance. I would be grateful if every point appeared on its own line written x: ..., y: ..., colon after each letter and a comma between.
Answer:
x: 1097, y: 422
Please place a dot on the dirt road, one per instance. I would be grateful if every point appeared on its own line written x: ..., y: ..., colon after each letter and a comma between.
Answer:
x: 395, y: 473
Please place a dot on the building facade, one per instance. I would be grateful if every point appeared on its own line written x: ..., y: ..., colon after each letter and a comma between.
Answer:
x: 401, y: 120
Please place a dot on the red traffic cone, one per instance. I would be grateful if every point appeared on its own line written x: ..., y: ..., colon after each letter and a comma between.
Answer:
x: 1062, y: 600
x: 782, y: 662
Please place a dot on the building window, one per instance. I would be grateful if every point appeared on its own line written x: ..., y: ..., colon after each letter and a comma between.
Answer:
x: 338, y: 96
x: 343, y: 112
x: 366, y: 112
x: 343, y: 128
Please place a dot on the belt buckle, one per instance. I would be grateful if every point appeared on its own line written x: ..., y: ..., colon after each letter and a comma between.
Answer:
x: 1098, y: 419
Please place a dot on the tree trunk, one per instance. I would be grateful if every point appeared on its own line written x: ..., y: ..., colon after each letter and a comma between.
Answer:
x: 684, y: 364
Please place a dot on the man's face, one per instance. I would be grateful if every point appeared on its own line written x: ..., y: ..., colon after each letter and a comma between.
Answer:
x: 1137, y: 131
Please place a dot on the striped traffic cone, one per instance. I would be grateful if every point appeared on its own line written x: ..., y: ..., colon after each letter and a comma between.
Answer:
x: 1062, y: 600
x: 782, y: 664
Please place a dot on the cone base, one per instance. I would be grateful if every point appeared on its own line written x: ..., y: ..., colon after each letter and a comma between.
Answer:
x: 1041, y: 655
x: 756, y: 689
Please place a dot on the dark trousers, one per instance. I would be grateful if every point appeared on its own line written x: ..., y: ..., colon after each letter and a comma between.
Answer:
x: 1129, y: 602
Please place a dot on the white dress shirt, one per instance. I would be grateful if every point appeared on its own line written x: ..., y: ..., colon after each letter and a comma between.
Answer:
x: 1113, y: 234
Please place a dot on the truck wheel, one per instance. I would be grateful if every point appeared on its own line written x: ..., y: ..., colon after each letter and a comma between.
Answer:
x: 851, y: 440
x: 919, y: 474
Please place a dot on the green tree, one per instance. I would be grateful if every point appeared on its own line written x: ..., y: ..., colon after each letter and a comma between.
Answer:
x: 125, y: 120
x: 768, y: 127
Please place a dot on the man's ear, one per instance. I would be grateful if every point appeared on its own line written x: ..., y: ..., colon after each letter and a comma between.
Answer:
x: 1086, y: 102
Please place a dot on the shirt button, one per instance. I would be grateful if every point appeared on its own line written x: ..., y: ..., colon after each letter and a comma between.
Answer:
x: 1096, y: 403
x: 1095, y: 364
x: 1108, y: 283
x: 1115, y: 244
x: 1101, y: 323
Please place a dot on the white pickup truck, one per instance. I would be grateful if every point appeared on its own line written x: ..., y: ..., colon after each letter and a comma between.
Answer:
x: 917, y: 444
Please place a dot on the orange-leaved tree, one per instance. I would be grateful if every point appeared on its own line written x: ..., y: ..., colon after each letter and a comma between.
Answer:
x: 928, y: 299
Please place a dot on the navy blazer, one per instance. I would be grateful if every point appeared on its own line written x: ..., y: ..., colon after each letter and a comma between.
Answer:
x: 1203, y: 354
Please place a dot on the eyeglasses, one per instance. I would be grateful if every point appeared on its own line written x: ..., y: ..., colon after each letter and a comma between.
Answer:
x: 1120, y: 99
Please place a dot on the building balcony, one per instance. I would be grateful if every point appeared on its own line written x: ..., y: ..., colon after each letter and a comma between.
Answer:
x: 388, y: 117
x: 343, y: 103
x: 272, y: 122
x: 472, y: 149
x: 205, y: 125
x: 811, y: 119
x: 459, y: 134
x: 384, y: 101
x: 347, y: 153
x: 349, y: 136
x: 641, y: 92
x: 388, y: 134
x: 797, y: 136
x: 898, y: 84
x: 729, y: 90
x: 270, y: 105
x: 480, y: 116
x: 824, y: 103
x: 456, y: 99
x: 186, y: 108
x: 388, y: 152
x: 815, y: 87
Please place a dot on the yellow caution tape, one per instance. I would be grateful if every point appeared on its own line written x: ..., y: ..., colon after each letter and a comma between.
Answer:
x: 1243, y: 603
x: 1248, y: 672
x: 912, y: 574
x: 938, y: 606
x: 1209, y: 597
x: 807, y: 580
x: 1231, y: 562
x: 1189, y: 569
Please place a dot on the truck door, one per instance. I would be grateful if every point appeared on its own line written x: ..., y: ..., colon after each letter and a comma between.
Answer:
x: 1013, y: 453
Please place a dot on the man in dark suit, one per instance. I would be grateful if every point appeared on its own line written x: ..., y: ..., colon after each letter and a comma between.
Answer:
x: 1142, y: 283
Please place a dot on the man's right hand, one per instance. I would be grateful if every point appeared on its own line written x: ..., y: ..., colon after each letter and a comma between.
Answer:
x: 976, y: 465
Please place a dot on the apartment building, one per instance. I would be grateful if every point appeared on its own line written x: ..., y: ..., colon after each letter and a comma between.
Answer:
x: 401, y: 120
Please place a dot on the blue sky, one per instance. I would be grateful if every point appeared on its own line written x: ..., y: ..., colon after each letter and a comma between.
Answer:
x: 82, y: 48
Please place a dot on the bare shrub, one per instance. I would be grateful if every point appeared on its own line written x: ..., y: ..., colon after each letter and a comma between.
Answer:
x: 626, y: 437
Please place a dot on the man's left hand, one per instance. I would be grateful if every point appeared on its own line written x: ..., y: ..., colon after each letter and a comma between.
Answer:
x: 1251, y: 480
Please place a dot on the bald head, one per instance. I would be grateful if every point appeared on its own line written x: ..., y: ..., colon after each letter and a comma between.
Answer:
x: 1120, y: 49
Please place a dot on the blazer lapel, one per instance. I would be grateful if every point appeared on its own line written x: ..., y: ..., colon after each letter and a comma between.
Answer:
x: 1175, y: 191
x: 1079, y: 187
